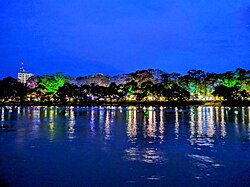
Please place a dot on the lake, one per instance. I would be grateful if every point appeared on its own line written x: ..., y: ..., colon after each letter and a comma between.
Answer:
x: 115, y: 146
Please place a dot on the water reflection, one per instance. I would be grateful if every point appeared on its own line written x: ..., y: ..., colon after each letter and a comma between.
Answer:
x: 131, y: 124
x: 161, y: 128
x: 211, y: 127
x: 206, y: 129
x: 176, y: 129
x: 101, y: 117
x: 201, y: 126
x: 243, y: 115
x: 223, y: 127
x: 92, y: 122
x: 154, y: 143
x: 2, y: 114
x: 151, y: 127
x: 236, y: 122
x: 199, y: 121
x: 107, y: 125
x: 205, y: 164
x: 50, y: 114
x: 192, y: 125
x: 145, y: 155
x: 35, y: 117
x: 71, y: 129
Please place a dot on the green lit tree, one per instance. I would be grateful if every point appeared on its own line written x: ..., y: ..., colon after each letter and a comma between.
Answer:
x: 229, y: 79
x: 51, y: 84
x: 243, y: 79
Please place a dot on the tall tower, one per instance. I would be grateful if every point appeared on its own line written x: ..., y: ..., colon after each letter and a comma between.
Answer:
x: 21, y: 68
x: 23, y: 76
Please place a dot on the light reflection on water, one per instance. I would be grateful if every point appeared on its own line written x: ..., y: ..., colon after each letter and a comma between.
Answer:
x: 92, y: 122
x: 161, y: 127
x: 51, y: 114
x: 204, y: 122
x: 71, y: 129
x: 35, y: 117
x: 151, y: 136
x: 131, y: 124
x: 176, y: 130
x: 145, y: 155
x: 107, y: 125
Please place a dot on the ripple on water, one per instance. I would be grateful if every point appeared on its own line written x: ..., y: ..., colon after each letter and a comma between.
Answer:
x: 205, y: 165
x: 202, y: 141
x: 145, y: 155
x: 155, y: 177
x: 202, y: 158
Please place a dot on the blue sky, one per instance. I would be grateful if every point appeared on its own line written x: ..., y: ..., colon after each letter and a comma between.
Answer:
x: 83, y: 37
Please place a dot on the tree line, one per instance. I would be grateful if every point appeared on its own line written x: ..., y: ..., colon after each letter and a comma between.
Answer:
x: 143, y: 85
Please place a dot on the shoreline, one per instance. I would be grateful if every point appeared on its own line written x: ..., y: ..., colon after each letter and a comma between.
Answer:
x: 133, y: 103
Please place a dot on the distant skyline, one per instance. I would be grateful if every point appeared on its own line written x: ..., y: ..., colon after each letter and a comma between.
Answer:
x: 84, y: 37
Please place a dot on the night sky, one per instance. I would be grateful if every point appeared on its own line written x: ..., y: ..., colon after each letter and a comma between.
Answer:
x: 83, y: 37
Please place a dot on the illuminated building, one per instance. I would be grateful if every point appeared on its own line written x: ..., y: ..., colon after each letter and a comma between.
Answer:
x: 23, y: 76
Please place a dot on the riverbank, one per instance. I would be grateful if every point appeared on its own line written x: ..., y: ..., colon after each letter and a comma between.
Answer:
x: 132, y: 103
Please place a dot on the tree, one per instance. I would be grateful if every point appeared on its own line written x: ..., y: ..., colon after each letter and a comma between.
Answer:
x: 243, y: 79
x: 84, y: 92
x: 228, y: 79
x: 31, y: 83
x: 12, y: 89
x: 228, y: 93
x: 212, y: 80
x: 113, y: 90
x: 67, y: 91
x: 52, y: 83
x: 198, y: 81
x: 158, y: 89
x: 178, y: 93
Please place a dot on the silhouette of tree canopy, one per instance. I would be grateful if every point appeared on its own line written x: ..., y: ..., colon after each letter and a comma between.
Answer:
x: 140, y: 85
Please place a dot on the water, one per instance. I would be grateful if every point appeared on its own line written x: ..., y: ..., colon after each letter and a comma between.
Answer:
x: 105, y: 146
